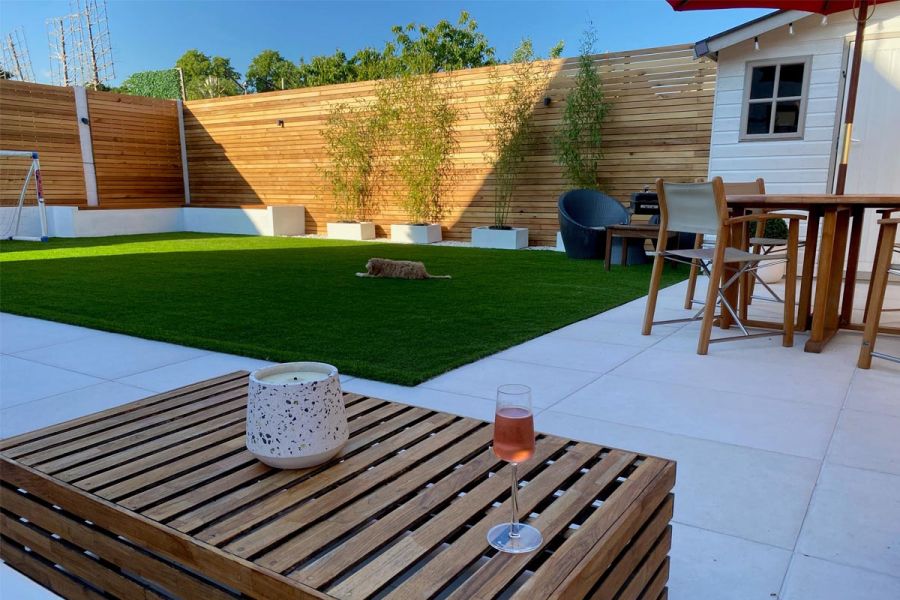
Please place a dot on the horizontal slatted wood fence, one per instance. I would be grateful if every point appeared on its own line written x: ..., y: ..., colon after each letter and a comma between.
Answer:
x: 136, y: 148
x: 42, y: 118
x: 659, y: 125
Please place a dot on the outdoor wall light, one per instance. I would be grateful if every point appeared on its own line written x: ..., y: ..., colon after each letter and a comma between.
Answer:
x: 824, y: 20
x: 756, y: 43
x: 280, y: 122
x: 791, y: 28
x: 547, y: 100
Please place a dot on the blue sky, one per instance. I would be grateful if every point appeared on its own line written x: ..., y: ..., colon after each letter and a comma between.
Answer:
x: 153, y: 34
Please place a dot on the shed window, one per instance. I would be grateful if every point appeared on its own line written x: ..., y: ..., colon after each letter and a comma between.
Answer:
x: 775, y: 94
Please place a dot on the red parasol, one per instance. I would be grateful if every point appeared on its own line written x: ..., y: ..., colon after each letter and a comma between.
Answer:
x: 824, y: 7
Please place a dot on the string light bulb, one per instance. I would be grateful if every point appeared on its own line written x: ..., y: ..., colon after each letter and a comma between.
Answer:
x: 756, y: 43
x: 791, y: 28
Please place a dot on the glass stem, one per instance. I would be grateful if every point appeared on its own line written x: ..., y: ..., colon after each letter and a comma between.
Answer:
x: 514, y: 503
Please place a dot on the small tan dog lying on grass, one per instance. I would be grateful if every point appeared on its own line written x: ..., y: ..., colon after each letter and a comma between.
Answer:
x: 398, y: 269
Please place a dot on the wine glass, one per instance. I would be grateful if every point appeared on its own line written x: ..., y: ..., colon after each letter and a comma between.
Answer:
x: 514, y: 443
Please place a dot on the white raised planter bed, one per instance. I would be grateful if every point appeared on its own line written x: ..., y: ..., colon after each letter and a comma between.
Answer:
x: 72, y: 221
x: 416, y: 234
x: 351, y: 231
x: 505, y: 239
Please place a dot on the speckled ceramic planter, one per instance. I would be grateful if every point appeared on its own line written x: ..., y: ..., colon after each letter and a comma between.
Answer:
x: 294, y: 424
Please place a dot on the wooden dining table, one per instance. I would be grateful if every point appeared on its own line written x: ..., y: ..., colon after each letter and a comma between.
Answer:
x: 825, y: 310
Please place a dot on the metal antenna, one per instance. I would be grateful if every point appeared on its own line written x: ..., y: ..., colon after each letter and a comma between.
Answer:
x: 62, y: 63
x: 16, y: 59
x: 90, y: 32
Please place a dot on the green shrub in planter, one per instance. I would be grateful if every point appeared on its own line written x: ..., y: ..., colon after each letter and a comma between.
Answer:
x: 776, y: 229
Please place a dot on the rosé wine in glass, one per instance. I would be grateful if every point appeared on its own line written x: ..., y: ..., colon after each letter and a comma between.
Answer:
x: 514, y: 443
x: 514, y: 434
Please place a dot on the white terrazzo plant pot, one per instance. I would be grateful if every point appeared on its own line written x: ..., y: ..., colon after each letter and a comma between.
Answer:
x: 296, y: 424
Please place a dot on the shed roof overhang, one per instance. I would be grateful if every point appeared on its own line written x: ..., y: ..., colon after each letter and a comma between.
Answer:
x: 710, y: 46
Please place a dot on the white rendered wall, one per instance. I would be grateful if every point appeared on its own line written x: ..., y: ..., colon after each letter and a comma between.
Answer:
x: 789, y: 166
x: 69, y: 221
x: 271, y: 220
x: 126, y: 221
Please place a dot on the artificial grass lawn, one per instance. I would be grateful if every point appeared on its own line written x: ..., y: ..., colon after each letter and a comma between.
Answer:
x: 285, y: 299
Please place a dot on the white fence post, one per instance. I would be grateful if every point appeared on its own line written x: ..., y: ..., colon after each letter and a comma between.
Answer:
x: 87, y: 145
x: 184, y: 160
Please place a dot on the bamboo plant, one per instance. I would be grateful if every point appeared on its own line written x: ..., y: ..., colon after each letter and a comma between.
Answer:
x: 423, y: 139
x: 514, y: 92
x: 354, y: 140
x: 579, y: 139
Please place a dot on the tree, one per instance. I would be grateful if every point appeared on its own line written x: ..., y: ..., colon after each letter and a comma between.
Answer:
x: 270, y: 71
x: 208, y: 77
x: 369, y: 64
x: 325, y: 70
x: 153, y: 84
x: 444, y: 47
x: 449, y: 46
x: 579, y: 139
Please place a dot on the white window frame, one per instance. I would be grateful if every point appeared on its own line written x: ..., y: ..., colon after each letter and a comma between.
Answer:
x: 803, y: 98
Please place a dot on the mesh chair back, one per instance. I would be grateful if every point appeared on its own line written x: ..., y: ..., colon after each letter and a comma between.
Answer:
x: 691, y: 207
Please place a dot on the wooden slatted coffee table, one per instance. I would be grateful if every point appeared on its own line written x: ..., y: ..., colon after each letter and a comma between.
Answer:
x: 160, y: 498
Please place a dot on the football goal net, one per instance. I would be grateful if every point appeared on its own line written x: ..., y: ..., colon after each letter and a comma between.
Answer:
x: 22, y: 212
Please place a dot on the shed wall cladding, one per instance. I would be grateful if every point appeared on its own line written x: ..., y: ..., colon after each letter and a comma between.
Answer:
x: 42, y: 118
x: 137, y: 152
x: 659, y: 125
x: 789, y: 166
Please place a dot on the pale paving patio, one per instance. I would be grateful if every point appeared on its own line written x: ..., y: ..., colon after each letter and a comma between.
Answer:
x: 788, y: 463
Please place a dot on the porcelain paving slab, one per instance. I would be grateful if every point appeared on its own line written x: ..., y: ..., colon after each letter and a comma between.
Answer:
x: 854, y: 519
x: 68, y: 405
x: 111, y: 356
x: 182, y: 373
x: 711, y: 566
x: 815, y: 579
x: 25, y: 380
x: 783, y: 380
x: 458, y: 404
x: 870, y: 390
x: 583, y: 355
x: 548, y: 384
x: 18, y: 334
x: 867, y: 441
x: 15, y: 586
x: 761, y: 496
x: 747, y: 419
x: 612, y: 332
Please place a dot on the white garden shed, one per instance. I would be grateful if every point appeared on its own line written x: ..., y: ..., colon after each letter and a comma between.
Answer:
x: 779, y: 104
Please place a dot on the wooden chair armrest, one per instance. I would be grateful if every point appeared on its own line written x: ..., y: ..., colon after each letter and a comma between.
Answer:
x: 765, y: 217
x: 887, y: 212
x: 889, y: 221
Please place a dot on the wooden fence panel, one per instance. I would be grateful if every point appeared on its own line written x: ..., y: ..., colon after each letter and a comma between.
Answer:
x: 40, y: 117
x: 659, y: 125
x: 137, y: 152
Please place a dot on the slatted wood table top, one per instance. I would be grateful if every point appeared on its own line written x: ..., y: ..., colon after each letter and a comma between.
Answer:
x: 160, y: 498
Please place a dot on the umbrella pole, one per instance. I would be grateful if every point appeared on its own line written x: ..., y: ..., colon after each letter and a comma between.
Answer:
x: 851, y: 96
